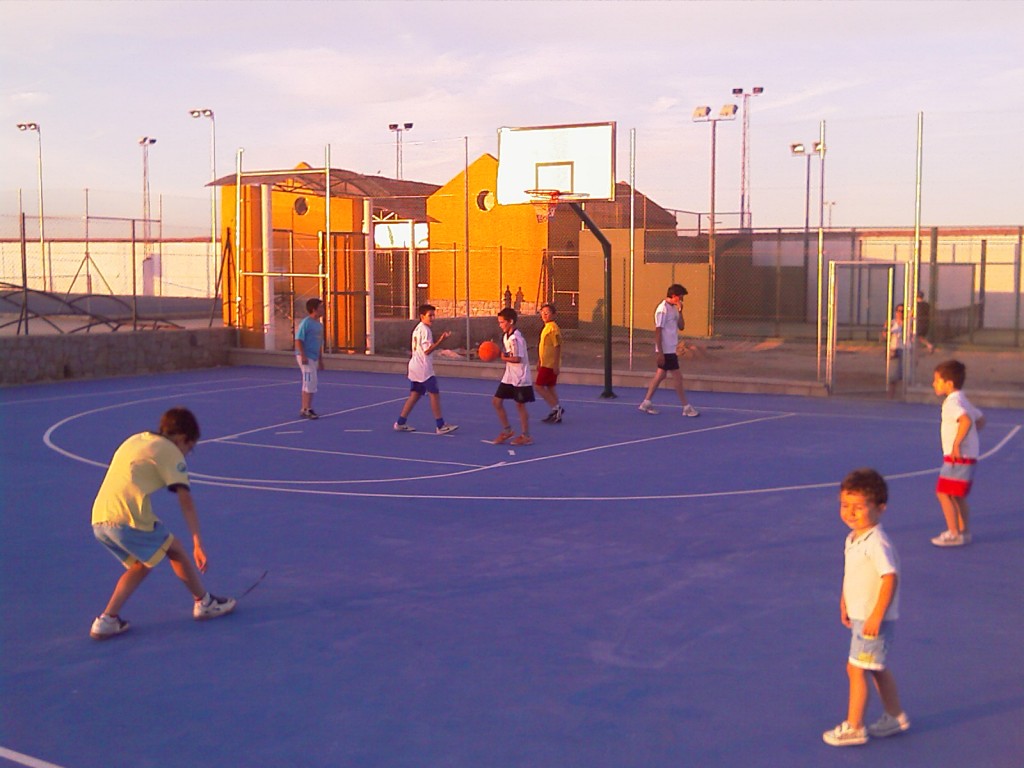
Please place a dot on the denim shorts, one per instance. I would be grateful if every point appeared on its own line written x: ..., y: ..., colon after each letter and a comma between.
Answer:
x: 131, y: 546
x: 871, y: 652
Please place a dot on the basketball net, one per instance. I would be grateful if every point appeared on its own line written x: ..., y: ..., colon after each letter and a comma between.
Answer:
x: 544, y: 203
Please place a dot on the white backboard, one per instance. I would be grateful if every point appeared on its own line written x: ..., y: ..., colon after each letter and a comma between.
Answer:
x: 574, y: 159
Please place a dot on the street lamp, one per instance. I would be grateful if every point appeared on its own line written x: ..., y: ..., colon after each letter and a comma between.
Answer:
x: 703, y: 115
x: 198, y: 114
x: 818, y: 148
x: 34, y: 127
x: 145, y: 142
x: 398, y: 129
x: 745, y: 221
x: 831, y: 204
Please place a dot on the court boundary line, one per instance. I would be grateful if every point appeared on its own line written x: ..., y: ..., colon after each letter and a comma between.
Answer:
x: 476, y: 468
x: 26, y: 760
x: 241, y: 483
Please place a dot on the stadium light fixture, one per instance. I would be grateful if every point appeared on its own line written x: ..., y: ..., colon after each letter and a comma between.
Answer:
x: 702, y: 114
x: 745, y: 218
x: 47, y: 272
x: 398, y: 129
x: 197, y: 114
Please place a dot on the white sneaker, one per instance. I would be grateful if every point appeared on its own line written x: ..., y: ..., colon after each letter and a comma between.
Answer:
x: 887, y: 725
x: 445, y: 429
x: 646, y: 407
x: 689, y: 410
x: 105, y: 627
x: 949, y: 539
x: 404, y: 428
x: 212, y: 607
x: 844, y: 735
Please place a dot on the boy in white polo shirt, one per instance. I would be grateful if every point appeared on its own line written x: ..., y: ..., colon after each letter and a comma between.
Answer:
x: 869, y: 606
x: 421, y: 373
x: 515, y: 383
x: 668, y: 321
x: 961, y: 445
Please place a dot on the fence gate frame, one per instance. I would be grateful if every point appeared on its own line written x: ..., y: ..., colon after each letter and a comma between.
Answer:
x: 909, y: 315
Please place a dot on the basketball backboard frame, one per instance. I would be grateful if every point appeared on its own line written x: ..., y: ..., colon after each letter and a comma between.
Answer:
x: 577, y: 160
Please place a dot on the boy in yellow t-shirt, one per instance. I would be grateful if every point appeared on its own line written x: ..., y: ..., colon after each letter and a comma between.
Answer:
x: 123, y: 519
x: 549, y: 363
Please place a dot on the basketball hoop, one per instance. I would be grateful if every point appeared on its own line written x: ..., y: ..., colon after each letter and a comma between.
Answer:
x: 544, y: 202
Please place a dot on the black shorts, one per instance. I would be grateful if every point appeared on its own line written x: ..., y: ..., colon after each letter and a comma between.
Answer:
x: 671, y: 362
x: 519, y: 394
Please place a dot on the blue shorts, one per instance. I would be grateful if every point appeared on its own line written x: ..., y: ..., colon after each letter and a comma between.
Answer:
x: 871, y: 652
x: 131, y: 546
x: 671, y: 362
x: 422, y: 387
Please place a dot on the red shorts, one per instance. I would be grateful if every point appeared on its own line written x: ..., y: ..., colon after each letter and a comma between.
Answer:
x: 956, y: 477
x: 546, y: 377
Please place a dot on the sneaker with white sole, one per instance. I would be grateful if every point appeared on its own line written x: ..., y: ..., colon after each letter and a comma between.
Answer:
x: 689, y: 410
x: 404, y: 428
x: 445, y: 429
x: 212, y: 607
x: 887, y: 725
x: 559, y: 413
x: 646, y: 407
x: 550, y: 418
x: 949, y: 539
x: 105, y: 627
x: 845, y: 735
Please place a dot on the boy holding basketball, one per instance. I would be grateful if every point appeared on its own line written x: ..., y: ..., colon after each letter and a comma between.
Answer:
x: 123, y: 519
x: 515, y: 383
x: 309, y: 342
x: 549, y: 362
x: 960, y: 448
x: 421, y: 373
x: 869, y: 607
x: 668, y: 321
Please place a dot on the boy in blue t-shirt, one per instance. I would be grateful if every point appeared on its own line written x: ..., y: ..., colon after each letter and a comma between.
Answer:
x: 309, y: 341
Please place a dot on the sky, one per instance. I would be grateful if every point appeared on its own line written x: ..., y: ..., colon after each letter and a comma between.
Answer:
x: 287, y: 79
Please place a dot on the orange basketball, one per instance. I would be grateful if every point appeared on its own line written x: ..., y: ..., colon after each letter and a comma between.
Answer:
x: 488, y: 351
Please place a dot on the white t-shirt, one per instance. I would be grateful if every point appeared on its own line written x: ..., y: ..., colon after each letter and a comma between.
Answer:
x: 953, y: 407
x: 516, y: 374
x: 666, y: 318
x: 421, y: 366
x: 868, y: 559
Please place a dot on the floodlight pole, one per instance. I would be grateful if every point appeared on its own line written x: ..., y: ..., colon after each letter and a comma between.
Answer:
x: 703, y: 115
x: 47, y: 274
x: 197, y: 114
x: 745, y: 218
x: 606, y: 247
x: 398, y: 129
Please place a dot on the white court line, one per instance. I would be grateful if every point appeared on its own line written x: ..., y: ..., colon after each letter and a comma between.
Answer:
x: 244, y: 483
x: 353, y: 454
x: 229, y: 438
x: 48, y: 439
x: 648, y: 497
x: 208, y: 479
x: 113, y: 393
x: 20, y: 759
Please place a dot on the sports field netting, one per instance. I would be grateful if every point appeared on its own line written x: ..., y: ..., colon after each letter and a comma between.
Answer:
x: 630, y: 590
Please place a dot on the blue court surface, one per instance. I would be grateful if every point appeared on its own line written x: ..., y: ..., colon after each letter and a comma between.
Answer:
x: 631, y: 590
